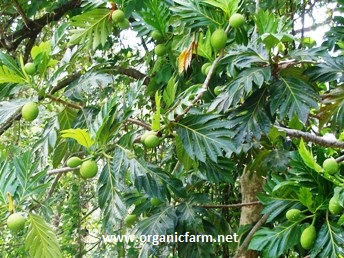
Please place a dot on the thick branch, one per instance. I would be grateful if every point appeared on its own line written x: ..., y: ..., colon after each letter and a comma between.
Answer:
x: 133, y: 73
x: 64, y: 83
x: 312, y: 138
x: 247, y: 240
x: 21, y: 12
x: 33, y: 28
x: 140, y: 123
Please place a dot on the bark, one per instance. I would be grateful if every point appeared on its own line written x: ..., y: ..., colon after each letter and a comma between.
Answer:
x: 251, y: 184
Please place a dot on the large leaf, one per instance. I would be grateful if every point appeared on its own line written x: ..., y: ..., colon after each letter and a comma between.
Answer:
x: 274, y: 242
x: 329, y: 242
x: 227, y: 6
x: 333, y: 108
x: 93, y: 28
x: 196, y: 13
x: 82, y: 136
x: 205, y: 136
x: 86, y: 85
x: 291, y: 96
x: 160, y: 223
x: 11, y: 64
x: 8, y: 182
x: 308, y: 158
x: 330, y: 70
x: 155, y: 14
x: 10, y: 108
x: 41, y: 241
x: 110, y: 201
x: 218, y: 172
x: 9, y: 76
x: 29, y: 177
x: 240, y: 87
x: 251, y: 120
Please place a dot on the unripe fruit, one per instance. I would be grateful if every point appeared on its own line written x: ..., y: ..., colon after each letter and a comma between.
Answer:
x: 16, y: 222
x: 156, y: 35
x: 236, y: 20
x: 207, y: 70
x: 160, y: 50
x: 30, y: 68
x: 217, y: 90
x: 30, y: 111
x: 124, y: 24
x: 129, y: 220
x: 204, y: 68
x: 330, y: 166
x: 88, y: 169
x: 144, y: 136
x: 151, y: 141
x: 334, y: 207
x: 308, y: 237
x: 118, y: 16
x: 73, y: 162
x: 218, y: 39
x: 293, y: 214
x: 155, y: 201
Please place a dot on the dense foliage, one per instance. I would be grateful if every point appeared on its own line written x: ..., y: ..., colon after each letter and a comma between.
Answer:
x: 134, y: 134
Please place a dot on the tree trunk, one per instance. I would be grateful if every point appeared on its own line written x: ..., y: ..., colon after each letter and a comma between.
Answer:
x: 251, y: 184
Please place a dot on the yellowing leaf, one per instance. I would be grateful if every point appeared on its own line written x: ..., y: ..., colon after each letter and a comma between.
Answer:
x: 184, y: 59
x: 82, y: 136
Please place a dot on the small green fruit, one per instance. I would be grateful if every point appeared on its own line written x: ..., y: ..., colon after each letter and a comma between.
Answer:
x: 330, y: 166
x: 218, y: 90
x: 144, y: 136
x: 155, y: 201
x: 16, y: 222
x: 30, y: 111
x: 334, y: 207
x: 207, y: 70
x: 156, y: 35
x: 160, y: 50
x: 73, y: 162
x: 30, y: 68
x: 88, y: 169
x: 308, y: 237
x: 293, y: 214
x: 236, y: 20
x: 204, y: 68
x: 218, y: 39
x: 124, y: 24
x: 118, y: 16
x: 129, y: 220
x: 151, y: 141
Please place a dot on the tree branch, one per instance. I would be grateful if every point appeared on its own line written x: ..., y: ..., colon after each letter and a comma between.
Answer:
x: 63, y: 102
x: 17, y: 115
x: 140, y: 123
x: 133, y: 73
x: 21, y: 12
x: 247, y: 240
x: 33, y: 28
x: 312, y: 138
x: 60, y: 170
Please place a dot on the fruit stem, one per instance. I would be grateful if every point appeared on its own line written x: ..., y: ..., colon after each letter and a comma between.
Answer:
x: 106, y: 155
